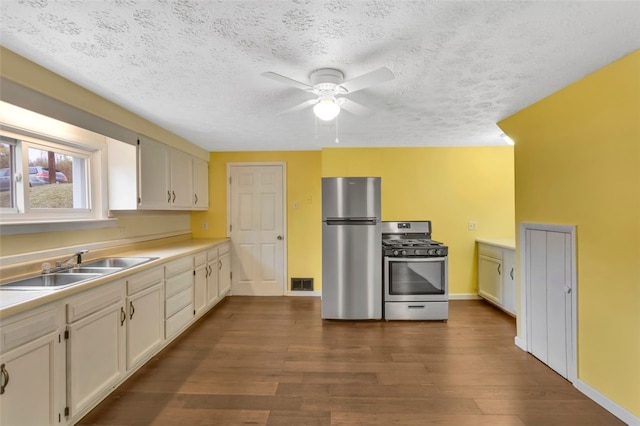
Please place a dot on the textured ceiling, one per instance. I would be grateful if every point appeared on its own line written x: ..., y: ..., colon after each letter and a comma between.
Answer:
x: 193, y: 67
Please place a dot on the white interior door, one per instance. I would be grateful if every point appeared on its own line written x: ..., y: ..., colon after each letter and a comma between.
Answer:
x: 549, y: 284
x: 256, y: 228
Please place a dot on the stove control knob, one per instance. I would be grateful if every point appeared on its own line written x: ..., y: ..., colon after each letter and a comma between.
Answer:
x: 432, y: 251
x: 404, y: 252
x: 417, y: 252
x: 395, y: 252
x: 440, y: 251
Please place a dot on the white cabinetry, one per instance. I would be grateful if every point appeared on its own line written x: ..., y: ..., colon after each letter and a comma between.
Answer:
x: 32, y: 368
x: 200, y: 184
x: 496, y: 276
x: 96, y: 345
x: 201, y: 272
x: 212, y: 277
x: 145, y: 304
x: 154, y: 176
x: 178, y: 276
x: 224, y: 270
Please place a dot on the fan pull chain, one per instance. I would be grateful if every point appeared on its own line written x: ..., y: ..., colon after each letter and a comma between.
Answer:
x: 337, y: 140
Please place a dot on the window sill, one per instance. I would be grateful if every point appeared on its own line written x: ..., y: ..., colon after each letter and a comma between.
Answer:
x: 16, y: 228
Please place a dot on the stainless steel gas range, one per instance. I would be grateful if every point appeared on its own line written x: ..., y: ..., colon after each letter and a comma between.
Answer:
x: 415, y: 272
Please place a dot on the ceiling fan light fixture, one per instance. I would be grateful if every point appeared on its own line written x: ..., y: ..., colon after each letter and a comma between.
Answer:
x: 326, y: 109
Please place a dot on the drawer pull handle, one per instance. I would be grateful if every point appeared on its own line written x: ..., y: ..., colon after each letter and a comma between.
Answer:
x: 174, y: 197
x: 132, y: 309
x: 196, y: 195
x: 416, y: 306
x: 123, y: 316
x: 168, y: 196
x: 499, y: 269
x: 5, y: 379
x: 511, y: 273
x: 219, y: 264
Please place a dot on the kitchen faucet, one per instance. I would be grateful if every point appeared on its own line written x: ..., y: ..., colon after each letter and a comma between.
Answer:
x: 61, y: 265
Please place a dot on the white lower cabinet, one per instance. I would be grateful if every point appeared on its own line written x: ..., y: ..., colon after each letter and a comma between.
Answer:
x: 95, y: 345
x: 496, y: 276
x: 200, y: 291
x: 32, y: 369
x: 212, y: 277
x: 224, y: 270
x: 145, y: 304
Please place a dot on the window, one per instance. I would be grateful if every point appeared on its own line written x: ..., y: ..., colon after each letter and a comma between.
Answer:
x: 50, y: 172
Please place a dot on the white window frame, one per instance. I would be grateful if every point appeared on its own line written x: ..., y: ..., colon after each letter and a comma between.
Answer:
x: 35, y: 130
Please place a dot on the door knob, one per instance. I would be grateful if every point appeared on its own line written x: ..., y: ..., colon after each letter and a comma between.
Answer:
x: 279, y: 237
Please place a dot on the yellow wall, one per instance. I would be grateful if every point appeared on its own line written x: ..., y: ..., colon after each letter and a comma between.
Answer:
x: 577, y: 161
x: 304, y: 249
x: 449, y: 186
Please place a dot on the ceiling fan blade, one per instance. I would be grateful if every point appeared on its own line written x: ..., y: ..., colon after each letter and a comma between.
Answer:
x: 287, y: 80
x: 354, y: 107
x: 369, y: 79
x: 305, y: 104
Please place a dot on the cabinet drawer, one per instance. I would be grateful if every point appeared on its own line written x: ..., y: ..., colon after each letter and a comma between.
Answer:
x: 178, y: 283
x: 143, y: 280
x: 178, y: 266
x: 92, y: 301
x: 223, y: 249
x: 177, y: 322
x: 489, y: 251
x: 27, y: 328
x: 200, y: 259
x: 212, y: 254
x: 178, y: 301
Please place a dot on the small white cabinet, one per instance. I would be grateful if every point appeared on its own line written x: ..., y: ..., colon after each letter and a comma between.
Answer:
x: 496, y: 276
x: 201, y: 272
x: 32, y: 368
x: 96, y: 344
x: 145, y: 315
x: 200, y: 184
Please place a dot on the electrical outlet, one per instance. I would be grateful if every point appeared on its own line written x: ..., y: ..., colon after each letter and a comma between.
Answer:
x: 295, y: 204
x: 205, y: 226
x: 473, y: 225
x: 309, y: 200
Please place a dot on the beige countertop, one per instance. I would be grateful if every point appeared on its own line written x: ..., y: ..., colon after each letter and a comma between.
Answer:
x: 15, y: 301
x: 508, y: 243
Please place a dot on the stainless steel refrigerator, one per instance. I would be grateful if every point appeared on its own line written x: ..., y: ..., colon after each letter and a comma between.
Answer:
x: 351, y: 248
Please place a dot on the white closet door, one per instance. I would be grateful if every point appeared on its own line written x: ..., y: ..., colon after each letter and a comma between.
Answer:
x: 549, y: 280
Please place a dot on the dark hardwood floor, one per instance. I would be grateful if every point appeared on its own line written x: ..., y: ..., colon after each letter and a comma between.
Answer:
x: 273, y: 361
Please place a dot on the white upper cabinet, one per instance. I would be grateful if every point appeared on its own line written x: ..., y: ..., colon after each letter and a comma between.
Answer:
x: 154, y: 176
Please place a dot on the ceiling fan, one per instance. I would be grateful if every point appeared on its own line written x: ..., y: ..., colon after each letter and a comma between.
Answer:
x: 330, y: 89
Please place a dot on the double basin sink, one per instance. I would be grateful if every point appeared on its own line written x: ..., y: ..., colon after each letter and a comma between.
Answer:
x: 76, y: 274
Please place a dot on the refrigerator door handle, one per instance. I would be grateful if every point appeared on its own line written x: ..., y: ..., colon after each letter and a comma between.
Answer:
x: 352, y: 221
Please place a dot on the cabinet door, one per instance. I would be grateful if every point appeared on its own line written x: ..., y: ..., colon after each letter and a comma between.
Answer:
x: 145, y: 330
x: 181, y: 180
x: 224, y: 274
x: 28, y: 380
x: 200, y: 185
x: 212, y: 282
x: 509, y: 281
x: 96, y: 356
x: 490, y: 278
x: 154, y: 177
x: 200, y: 289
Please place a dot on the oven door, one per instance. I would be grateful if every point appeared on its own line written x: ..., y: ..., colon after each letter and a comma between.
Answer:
x: 409, y: 279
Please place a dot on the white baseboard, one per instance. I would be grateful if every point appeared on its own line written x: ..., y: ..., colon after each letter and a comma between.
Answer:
x: 612, y: 407
x: 303, y: 293
x: 464, y: 296
x: 520, y: 343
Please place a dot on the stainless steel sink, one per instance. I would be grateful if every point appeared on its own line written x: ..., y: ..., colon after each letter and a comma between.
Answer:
x: 76, y: 275
x: 49, y: 281
x: 118, y: 262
